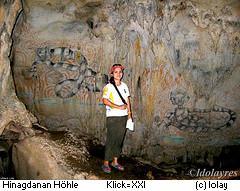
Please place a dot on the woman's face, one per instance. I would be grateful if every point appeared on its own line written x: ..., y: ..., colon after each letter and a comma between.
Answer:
x: 117, y: 74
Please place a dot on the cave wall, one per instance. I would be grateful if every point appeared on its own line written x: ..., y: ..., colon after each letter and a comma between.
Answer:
x: 182, y: 68
x: 13, y: 113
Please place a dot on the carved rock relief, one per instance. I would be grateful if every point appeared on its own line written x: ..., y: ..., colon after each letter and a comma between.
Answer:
x: 66, y: 60
x: 195, y: 120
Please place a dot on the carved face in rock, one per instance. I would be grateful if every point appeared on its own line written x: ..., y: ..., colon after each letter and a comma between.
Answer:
x: 42, y: 53
x: 178, y: 98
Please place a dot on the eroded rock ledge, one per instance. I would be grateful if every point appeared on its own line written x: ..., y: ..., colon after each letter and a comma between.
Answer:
x: 46, y: 157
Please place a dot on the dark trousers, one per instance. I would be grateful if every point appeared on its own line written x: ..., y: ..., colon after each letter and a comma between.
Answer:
x: 116, y: 130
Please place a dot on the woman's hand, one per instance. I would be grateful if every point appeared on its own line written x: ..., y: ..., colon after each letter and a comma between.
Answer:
x: 122, y: 107
x: 129, y: 115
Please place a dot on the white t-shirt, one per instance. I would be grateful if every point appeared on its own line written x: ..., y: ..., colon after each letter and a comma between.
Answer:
x: 110, y: 93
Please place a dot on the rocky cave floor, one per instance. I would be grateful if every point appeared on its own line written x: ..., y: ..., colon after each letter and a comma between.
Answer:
x: 82, y: 158
x: 91, y: 162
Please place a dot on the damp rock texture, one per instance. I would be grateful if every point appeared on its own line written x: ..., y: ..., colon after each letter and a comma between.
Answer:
x: 12, y: 111
x: 45, y: 157
x: 182, y: 68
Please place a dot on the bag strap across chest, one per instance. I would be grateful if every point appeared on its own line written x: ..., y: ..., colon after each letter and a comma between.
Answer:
x: 123, y: 100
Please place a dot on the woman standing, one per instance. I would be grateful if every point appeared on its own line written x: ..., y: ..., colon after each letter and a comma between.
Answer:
x: 117, y: 111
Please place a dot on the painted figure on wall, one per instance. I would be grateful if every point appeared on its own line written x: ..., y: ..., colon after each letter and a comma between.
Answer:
x: 196, y: 120
x: 69, y: 60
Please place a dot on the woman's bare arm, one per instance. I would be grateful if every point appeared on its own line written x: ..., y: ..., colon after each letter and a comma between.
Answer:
x: 110, y: 104
x: 129, y: 108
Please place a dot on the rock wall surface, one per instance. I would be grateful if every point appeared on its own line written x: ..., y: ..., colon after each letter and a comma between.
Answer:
x: 41, y: 157
x: 12, y: 111
x: 182, y: 68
